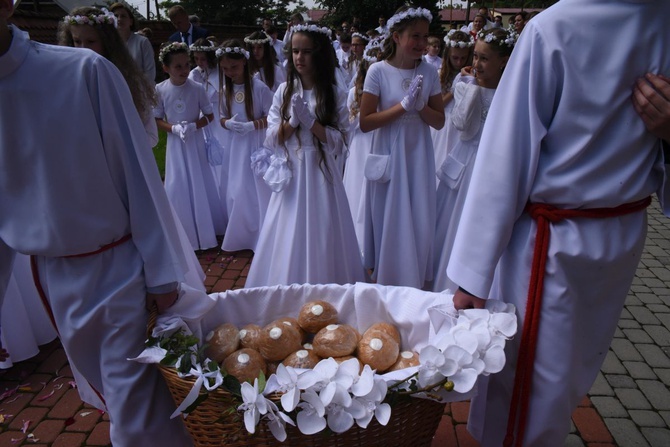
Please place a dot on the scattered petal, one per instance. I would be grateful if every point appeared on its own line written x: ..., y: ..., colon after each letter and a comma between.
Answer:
x: 46, y: 396
x: 72, y: 383
x: 85, y: 413
x: 26, y: 424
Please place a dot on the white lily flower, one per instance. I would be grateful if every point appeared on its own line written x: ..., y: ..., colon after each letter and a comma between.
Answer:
x: 364, y: 383
x: 339, y: 412
x: 284, y: 381
x: 311, y: 418
x: 254, y: 405
x: 464, y: 379
x: 277, y: 424
x: 494, y: 359
x: 432, y: 360
x: 373, y: 406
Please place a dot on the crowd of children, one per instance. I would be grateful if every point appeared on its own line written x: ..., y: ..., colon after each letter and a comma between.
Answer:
x: 334, y: 180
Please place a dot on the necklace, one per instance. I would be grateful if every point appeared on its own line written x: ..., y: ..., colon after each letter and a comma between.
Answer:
x: 405, y: 82
x: 239, y: 97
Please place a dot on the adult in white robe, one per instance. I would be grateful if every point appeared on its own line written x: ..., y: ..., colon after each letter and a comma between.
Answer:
x: 562, y: 130
x: 83, y: 181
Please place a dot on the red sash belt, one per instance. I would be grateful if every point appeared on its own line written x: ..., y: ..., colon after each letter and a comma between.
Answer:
x: 40, y: 290
x: 544, y: 215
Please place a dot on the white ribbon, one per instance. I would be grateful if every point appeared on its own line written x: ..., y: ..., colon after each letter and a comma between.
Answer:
x: 202, y: 379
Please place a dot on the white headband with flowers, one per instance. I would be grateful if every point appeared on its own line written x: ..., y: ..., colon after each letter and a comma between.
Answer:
x: 411, y: 13
x: 313, y: 29
x: 171, y: 48
x: 377, y: 44
x: 457, y: 43
x: 92, y: 19
x: 230, y: 50
x: 201, y: 49
x: 361, y: 36
x: 510, y: 40
x: 266, y: 39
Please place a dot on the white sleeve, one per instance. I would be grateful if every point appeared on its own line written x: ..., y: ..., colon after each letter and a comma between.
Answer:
x: 274, y: 119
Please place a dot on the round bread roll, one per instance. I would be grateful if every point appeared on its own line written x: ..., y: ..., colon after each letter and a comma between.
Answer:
x: 388, y: 328
x: 250, y: 336
x: 302, y: 359
x: 378, y: 350
x: 272, y: 367
x: 315, y: 315
x: 222, y: 341
x: 278, y: 340
x: 245, y: 365
x: 290, y: 321
x: 335, y: 340
x: 405, y: 360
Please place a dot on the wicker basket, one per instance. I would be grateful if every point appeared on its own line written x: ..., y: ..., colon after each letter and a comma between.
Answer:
x: 216, y: 422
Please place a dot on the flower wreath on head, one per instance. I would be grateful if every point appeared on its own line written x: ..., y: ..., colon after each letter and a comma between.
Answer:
x: 411, y: 13
x: 375, y: 44
x: 457, y: 43
x: 171, y: 48
x: 263, y: 41
x: 201, y: 49
x: 105, y: 17
x: 361, y: 36
x: 312, y: 29
x: 230, y: 50
x: 510, y: 40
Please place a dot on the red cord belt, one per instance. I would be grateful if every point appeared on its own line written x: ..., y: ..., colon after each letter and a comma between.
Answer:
x: 40, y: 290
x: 544, y: 215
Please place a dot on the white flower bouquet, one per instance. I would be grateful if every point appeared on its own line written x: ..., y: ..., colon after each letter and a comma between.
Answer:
x: 455, y: 347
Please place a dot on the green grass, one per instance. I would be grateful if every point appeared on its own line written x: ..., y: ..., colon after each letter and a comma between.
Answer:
x: 159, y: 152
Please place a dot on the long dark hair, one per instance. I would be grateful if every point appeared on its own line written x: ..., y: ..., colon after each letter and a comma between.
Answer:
x: 324, y: 63
x: 269, y: 58
x: 114, y: 50
x: 447, y: 72
x: 228, y: 91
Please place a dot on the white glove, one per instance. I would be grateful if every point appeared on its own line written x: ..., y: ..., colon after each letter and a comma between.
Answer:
x: 301, y: 109
x: 294, y: 121
x: 177, y: 129
x: 240, y: 127
x: 229, y: 124
x: 409, y: 101
x: 187, y: 128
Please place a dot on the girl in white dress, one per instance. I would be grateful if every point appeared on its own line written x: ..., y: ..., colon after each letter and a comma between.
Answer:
x: 206, y: 72
x: 401, y: 101
x: 244, y: 108
x: 189, y: 181
x: 457, y: 54
x: 359, y: 145
x: 308, y: 235
x: 263, y: 62
x: 473, y: 90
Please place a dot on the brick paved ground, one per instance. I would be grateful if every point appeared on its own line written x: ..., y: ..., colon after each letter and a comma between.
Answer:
x: 629, y: 405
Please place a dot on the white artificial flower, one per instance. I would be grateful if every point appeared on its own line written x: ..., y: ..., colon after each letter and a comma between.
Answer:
x: 330, y: 379
x: 341, y: 412
x: 254, y: 405
x: 277, y: 421
x: 373, y: 405
x: 364, y: 382
x: 284, y: 381
x: 311, y: 418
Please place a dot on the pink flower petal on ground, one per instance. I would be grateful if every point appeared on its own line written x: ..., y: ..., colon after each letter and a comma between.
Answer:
x: 13, y: 400
x: 8, y: 393
x: 26, y: 424
x: 85, y: 413
x: 46, y: 396
x: 16, y: 440
x: 72, y: 383
x: 32, y: 438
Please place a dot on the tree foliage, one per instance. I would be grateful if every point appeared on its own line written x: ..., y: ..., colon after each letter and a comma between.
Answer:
x: 368, y: 11
x: 236, y: 12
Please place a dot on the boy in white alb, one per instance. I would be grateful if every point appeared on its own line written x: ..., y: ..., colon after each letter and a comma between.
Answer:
x: 88, y: 205
x: 564, y: 170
